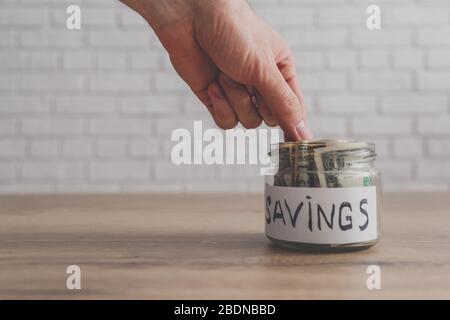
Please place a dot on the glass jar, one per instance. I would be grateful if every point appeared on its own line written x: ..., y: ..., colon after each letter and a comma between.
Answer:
x: 323, y: 195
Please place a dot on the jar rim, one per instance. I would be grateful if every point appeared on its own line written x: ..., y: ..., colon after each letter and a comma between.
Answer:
x: 309, y: 150
x: 353, y: 144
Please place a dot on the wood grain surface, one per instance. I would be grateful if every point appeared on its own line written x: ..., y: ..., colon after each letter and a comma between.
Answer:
x: 208, y: 247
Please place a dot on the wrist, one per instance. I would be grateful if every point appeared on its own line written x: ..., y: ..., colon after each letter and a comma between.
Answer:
x: 162, y: 13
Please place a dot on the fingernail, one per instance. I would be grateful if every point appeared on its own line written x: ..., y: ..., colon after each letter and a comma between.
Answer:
x: 303, y: 131
x: 217, y: 91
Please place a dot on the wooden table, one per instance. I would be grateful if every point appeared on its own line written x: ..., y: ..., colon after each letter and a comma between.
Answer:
x: 208, y: 247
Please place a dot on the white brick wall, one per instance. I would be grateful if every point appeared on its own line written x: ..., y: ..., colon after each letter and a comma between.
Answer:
x: 93, y: 110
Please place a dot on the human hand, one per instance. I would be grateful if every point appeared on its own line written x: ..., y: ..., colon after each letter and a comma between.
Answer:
x: 227, y: 55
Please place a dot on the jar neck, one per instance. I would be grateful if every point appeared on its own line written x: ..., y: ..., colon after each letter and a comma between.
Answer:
x: 325, y: 155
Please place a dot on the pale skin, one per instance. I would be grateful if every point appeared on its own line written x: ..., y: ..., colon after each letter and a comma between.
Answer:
x: 239, y: 67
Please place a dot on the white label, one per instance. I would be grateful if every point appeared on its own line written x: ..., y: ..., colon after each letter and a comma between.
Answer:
x: 321, y: 215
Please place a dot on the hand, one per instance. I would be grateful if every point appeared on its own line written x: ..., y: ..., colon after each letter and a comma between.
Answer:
x: 227, y: 55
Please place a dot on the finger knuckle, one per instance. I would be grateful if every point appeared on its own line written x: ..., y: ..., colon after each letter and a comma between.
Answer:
x: 260, y: 72
x: 290, y: 102
x: 289, y: 109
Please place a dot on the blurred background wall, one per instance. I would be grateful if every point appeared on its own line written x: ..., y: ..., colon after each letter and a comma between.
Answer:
x: 92, y: 110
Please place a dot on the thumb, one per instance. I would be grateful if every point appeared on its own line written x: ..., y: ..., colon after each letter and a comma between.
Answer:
x: 284, y: 105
